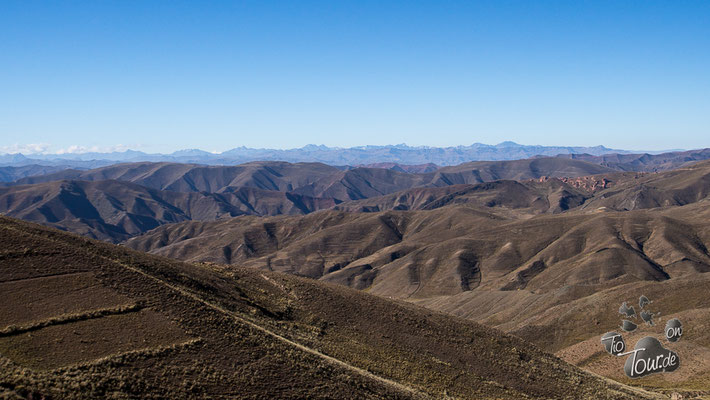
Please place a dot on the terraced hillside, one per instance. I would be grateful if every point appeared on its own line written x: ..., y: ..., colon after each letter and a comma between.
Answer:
x: 83, y: 319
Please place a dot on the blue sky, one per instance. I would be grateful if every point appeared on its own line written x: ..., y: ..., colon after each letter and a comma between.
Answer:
x: 162, y: 76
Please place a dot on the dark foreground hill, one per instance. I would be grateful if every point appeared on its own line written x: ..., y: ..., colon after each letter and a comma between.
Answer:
x: 84, y: 319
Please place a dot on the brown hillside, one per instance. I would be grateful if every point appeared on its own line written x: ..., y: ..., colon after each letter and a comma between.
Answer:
x: 117, y: 202
x: 116, y: 210
x: 532, y: 168
x: 553, y: 279
x: 673, y: 188
x: 86, y: 319
x: 280, y: 176
x: 531, y: 197
x: 319, y: 180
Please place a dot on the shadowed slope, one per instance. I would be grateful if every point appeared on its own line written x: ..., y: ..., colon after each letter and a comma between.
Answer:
x: 552, y: 196
x: 574, y: 248
x: 540, y: 277
x: 120, y: 201
x: 533, y: 168
x: 280, y: 176
x: 673, y: 188
x: 145, y: 326
x: 319, y: 180
x: 115, y: 210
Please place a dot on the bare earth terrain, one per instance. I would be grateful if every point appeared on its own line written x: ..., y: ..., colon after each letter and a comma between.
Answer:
x: 124, y: 324
x: 240, y: 282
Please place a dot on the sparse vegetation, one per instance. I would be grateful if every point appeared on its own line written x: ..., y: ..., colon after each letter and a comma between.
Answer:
x: 250, y: 334
x: 68, y: 318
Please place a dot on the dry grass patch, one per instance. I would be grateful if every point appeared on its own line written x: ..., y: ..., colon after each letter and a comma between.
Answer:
x: 82, y: 341
x: 36, y: 299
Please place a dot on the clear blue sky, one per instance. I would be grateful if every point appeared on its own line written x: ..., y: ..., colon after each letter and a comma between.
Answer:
x: 214, y: 75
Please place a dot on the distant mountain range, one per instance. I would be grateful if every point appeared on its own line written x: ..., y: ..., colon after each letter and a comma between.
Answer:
x: 120, y: 201
x: 363, y: 155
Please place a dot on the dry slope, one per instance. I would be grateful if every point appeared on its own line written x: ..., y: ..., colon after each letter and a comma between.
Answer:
x: 556, y: 280
x: 83, y: 319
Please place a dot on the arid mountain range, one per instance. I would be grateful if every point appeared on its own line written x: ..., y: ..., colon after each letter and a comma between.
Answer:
x: 123, y: 200
x: 545, y: 248
x: 82, y: 319
x: 117, y: 210
x: 554, y: 277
